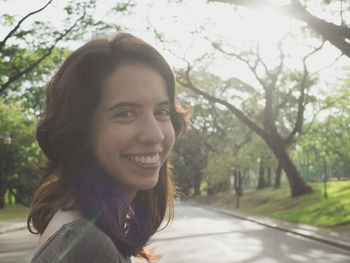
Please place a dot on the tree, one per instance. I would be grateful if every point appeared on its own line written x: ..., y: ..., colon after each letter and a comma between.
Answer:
x: 266, y: 162
x: 193, y: 148
x: 266, y: 122
x: 338, y: 35
x: 194, y: 156
x: 29, y: 54
x: 30, y: 51
x: 18, y: 159
x: 218, y: 133
x: 182, y: 172
x: 323, y: 149
x: 229, y: 156
x: 207, y: 132
x: 278, y: 174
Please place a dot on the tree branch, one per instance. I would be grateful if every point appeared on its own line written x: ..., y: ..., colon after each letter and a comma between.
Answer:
x: 240, y: 58
x: 215, y: 123
x: 301, y: 106
x: 39, y: 60
x: 12, y: 32
x: 335, y: 34
x: 279, y: 68
x: 283, y: 103
x: 239, y: 114
x: 206, y: 143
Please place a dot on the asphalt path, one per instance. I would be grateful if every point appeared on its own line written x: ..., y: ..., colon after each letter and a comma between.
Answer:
x: 17, y: 246
x: 201, y: 235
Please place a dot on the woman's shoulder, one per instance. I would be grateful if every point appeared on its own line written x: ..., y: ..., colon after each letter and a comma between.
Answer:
x: 79, y: 241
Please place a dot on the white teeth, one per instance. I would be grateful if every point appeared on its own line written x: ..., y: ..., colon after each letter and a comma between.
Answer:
x: 145, y: 159
x: 155, y: 158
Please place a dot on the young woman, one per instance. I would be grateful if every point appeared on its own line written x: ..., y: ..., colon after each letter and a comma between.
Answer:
x: 110, y: 123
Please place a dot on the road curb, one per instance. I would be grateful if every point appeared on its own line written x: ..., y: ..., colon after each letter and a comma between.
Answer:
x: 4, y: 231
x: 275, y: 224
x: 13, y: 225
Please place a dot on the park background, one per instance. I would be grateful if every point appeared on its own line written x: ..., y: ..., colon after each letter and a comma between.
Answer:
x: 267, y: 83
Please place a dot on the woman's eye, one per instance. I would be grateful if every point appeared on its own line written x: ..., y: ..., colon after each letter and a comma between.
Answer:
x: 124, y: 114
x: 163, y: 112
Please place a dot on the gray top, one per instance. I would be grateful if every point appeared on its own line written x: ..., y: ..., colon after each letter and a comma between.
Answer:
x: 79, y: 241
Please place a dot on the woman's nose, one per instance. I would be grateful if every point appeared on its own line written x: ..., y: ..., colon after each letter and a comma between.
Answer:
x: 150, y: 132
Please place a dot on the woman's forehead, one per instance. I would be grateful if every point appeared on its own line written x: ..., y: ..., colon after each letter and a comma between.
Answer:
x: 137, y: 83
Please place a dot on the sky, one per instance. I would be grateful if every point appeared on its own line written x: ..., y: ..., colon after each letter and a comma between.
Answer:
x: 237, y: 30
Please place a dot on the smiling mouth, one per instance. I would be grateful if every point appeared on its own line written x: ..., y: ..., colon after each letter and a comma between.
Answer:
x: 144, y: 159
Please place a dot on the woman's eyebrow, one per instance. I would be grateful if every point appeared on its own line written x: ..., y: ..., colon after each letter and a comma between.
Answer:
x: 164, y: 103
x: 123, y: 104
x: 134, y: 104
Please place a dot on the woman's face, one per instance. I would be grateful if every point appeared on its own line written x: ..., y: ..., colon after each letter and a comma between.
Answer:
x: 131, y: 132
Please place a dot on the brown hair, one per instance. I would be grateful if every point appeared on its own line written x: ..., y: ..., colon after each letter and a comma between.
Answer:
x: 77, y: 180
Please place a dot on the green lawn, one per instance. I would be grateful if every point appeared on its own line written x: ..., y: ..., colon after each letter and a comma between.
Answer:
x: 311, y: 209
x: 14, y: 211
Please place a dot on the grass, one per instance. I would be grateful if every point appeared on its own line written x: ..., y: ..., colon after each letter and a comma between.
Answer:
x: 312, y: 209
x: 13, y: 212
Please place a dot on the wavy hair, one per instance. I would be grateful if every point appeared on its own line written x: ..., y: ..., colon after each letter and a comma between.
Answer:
x: 74, y: 176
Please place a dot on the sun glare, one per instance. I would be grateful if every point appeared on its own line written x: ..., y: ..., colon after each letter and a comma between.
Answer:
x: 266, y: 25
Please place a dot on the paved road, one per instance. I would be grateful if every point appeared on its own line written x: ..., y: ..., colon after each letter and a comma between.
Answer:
x: 17, y: 246
x: 201, y: 235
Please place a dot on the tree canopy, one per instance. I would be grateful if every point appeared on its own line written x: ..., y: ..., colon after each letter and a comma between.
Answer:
x: 264, y: 98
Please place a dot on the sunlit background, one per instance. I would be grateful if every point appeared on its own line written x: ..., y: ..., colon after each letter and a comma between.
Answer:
x: 270, y: 125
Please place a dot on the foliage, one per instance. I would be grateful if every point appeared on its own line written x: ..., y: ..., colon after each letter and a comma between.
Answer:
x: 213, y: 136
x: 18, y: 159
x: 191, y: 158
x: 327, y: 141
x: 215, y: 130
x: 182, y: 172
x: 29, y: 89
x: 219, y: 169
x: 191, y: 150
x: 281, y: 91
x: 33, y: 47
x: 216, y: 143
x: 30, y: 50
x: 261, y: 111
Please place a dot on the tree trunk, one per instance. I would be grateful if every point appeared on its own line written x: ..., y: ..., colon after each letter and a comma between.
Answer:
x: 269, y: 133
x: 238, y: 186
x: 297, y: 185
x: 197, y: 178
x: 261, y: 181
x: 277, y: 184
x: 269, y: 176
x: 210, y: 191
x: 2, y: 196
x: 325, y: 176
